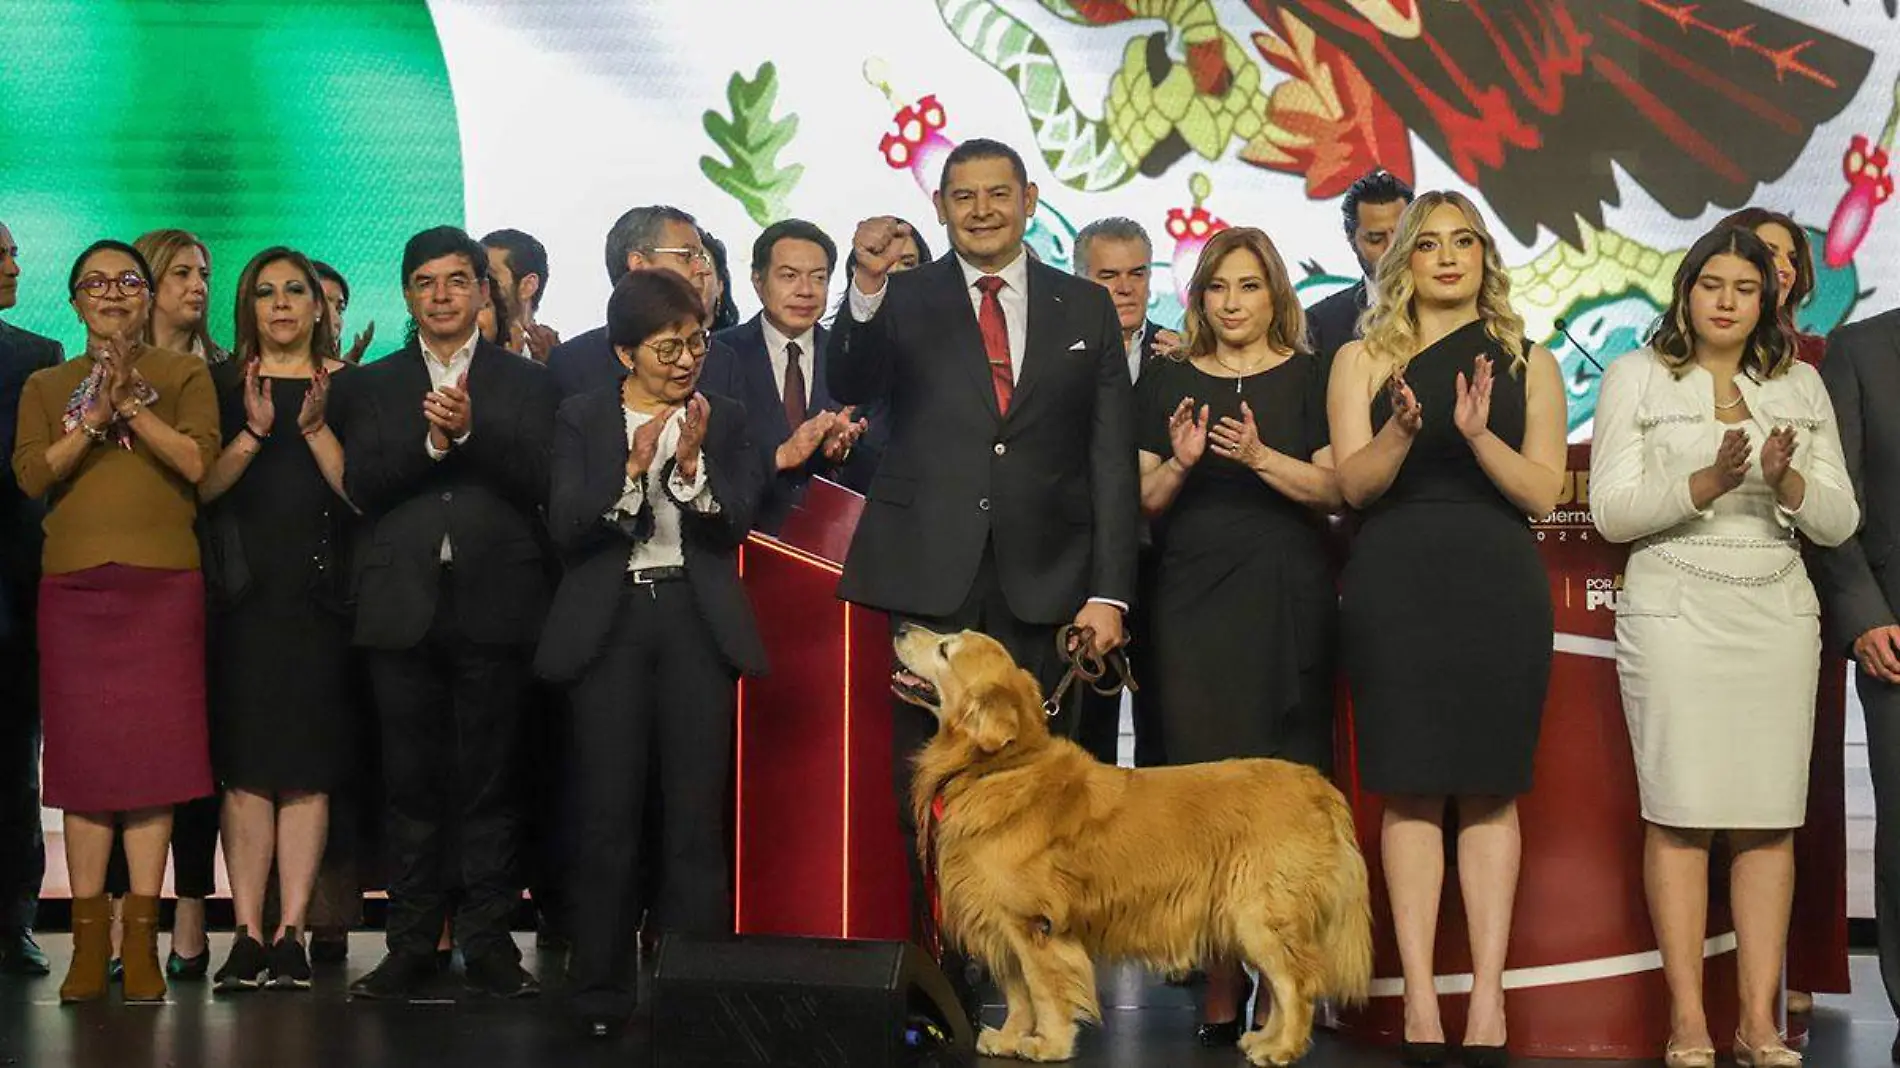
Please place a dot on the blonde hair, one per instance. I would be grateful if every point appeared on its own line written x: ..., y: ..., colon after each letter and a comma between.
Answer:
x: 160, y: 248
x: 1288, y: 329
x: 1389, y: 325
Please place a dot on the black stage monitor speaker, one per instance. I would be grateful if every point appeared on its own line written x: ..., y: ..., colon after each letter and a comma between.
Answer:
x: 756, y: 1001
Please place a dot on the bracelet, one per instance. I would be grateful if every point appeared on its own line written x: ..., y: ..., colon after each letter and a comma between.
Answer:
x: 318, y: 429
x: 96, y: 433
x: 255, y: 436
x: 136, y: 407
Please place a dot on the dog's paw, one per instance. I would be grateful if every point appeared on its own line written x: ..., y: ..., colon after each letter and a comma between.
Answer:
x: 993, y: 1043
x: 1046, y: 1049
x: 1263, y: 1051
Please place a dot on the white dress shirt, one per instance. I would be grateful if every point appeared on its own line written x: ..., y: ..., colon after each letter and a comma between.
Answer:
x: 775, y: 343
x: 1014, y: 297
x: 665, y: 547
x: 441, y: 374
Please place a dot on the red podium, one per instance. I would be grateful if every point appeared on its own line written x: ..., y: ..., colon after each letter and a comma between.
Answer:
x: 1583, y: 978
x: 816, y: 847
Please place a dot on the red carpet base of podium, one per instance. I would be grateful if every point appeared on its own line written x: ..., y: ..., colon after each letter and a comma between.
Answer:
x: 1149, y: 1026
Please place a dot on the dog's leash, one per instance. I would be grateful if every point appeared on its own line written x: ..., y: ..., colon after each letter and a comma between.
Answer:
x: 1076, y: 645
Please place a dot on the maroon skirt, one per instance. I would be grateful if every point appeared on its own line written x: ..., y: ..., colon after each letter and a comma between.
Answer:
x: 122, y: 688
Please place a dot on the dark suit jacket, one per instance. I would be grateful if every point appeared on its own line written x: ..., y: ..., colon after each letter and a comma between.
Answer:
x: 590, y: 465
x: 738, y: 366
x: 1859, y: 578
x: 1053, y: 483
x: 487, y: 496
x: 21, y: 354
x: 1334, y: 321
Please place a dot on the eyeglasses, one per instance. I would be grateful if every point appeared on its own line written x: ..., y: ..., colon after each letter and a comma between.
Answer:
x: 131, y: 283
x: 692, y: 255
x: 668, y: 349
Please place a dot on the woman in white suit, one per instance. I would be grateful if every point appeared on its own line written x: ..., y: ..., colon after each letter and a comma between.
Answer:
x: 1714, y: 449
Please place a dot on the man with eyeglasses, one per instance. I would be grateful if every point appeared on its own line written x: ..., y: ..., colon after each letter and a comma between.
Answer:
x: 656, y: 237
x: 22, y: 849
x: 447, y: 446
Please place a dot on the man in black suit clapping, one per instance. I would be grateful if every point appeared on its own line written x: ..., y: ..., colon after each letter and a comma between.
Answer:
x: 1006, y: 498
x: 447, y: 448
x: 774, y: 364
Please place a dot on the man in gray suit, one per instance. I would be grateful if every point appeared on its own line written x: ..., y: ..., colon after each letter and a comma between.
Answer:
x: 1861, y: 581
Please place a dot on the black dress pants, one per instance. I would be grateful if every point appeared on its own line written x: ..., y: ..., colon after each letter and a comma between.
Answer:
x: 450, y: 710
x: 22, y: 847
x: 658, y: 698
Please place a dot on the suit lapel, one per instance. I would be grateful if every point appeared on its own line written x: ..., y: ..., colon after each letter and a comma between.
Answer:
x: 1043, y: 310
x: 962, y: 334
x: 819, y: 394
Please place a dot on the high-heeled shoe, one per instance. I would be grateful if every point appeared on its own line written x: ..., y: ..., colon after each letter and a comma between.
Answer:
x: 1774, y: 1056
x: 1484, y: 1056
x: 1423, y: 1054
x: 1227, y: 1033
x: 1689, y: 1057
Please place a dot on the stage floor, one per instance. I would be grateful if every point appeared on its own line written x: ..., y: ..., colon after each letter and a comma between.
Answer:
x: 1149, y: 1025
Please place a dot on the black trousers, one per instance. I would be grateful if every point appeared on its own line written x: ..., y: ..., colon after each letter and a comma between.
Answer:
x: 659, y: 697
x: 22, y: 846
x: 450, y: 711
x: 546, y: 744
x: 1033, y: 645
x: 1882, y: 703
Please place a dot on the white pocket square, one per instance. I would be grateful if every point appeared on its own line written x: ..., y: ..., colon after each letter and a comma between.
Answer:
x: 1078, y: 347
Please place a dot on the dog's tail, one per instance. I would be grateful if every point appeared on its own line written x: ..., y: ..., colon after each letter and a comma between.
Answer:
x: 1346, y: 919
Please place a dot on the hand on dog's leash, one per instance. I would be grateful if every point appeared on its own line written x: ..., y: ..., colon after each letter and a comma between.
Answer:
x: 1076, y: 646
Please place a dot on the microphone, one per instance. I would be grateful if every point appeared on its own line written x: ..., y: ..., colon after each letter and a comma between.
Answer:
x: 1563, y: 327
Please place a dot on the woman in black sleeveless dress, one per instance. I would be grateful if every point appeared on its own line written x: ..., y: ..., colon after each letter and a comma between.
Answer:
x: 1449, y: 432
x: 1237, y: 479
x: 279, y: 634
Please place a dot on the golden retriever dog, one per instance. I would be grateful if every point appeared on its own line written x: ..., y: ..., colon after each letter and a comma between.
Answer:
x: 1047, y: 859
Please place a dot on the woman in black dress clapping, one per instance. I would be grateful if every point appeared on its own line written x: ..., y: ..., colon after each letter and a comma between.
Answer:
x: 280, y: 701
x: 1237, y: 478
x: 1448, y: 429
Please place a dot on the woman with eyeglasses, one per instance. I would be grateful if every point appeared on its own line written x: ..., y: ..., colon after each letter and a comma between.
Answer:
x: 116, y: 443
x: 280, y: 697
x: 654, y: 486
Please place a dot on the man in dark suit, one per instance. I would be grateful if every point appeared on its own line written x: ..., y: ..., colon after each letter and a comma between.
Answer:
x: 447, y: 456
x: 1006, y: 500
x: 1371, y: 209
x: 22, y: 849
x: 774, y: 365
x: 1861, y: 581
x: 654, y: 237
x: 1116, y: 254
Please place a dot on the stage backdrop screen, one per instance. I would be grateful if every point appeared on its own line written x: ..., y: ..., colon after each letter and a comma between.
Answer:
x: 1600, y: 137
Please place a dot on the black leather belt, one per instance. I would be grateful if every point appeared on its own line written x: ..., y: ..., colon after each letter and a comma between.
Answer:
x: 647, y: 576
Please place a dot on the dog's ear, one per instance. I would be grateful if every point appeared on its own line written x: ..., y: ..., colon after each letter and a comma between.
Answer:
x: 989, y: 715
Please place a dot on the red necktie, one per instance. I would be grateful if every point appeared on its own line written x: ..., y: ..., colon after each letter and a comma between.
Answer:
x: 794, y: 398
x: 989, y: 320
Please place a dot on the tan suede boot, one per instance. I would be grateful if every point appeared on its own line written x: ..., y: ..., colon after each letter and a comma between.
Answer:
x: 92, y: 948
x: 144, y: 979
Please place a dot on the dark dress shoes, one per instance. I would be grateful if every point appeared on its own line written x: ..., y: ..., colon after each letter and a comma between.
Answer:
x: 20, y: 955
x: 398, y: 978
x: 500, y: 976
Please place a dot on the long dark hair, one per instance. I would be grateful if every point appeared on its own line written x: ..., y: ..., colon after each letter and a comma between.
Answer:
x: 1769, y: 351
x: 1753, y: 219
x: 323, y: 342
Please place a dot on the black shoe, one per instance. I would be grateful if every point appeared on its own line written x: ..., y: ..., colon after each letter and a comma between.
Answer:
x: 1227, y: 1034
x: 115, y: 971
x: 247, y: 967
x: 289, y: 968
x: 1894, y: 1053
x: 1422, y: 1054
x: 444, y: 959
x: 188, y: 969
x: 20, y: 955
x: 397, y: 978
x: 499, y: 976
x: 328, y: 949
x: 1484, y: 1056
